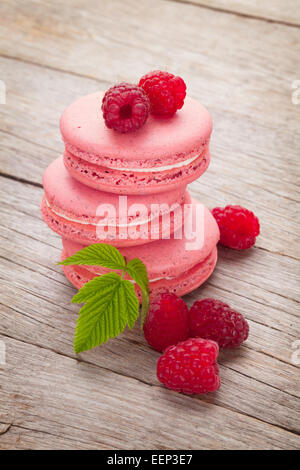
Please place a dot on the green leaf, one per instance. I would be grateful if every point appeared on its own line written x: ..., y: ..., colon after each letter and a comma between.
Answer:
x: 99, y: 254
x: 92, y: 288
x: 137, y: 270
x: 111, y: 304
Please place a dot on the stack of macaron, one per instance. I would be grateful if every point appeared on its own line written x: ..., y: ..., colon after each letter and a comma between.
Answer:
x: 123, y: 178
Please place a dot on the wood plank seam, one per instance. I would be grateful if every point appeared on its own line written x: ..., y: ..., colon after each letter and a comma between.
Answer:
x: 27, y: 316
x: 204, y: 399
x: 47, y: 433
x: 235, y: 13
x: 7, y: 427
x: 255, y: 301
x: 207, y: 400
x: 258, y: 204
x: 33, y: 238
x: 34, y: 271
x: 270, y: 291
x: 257, y: 380
x: 54, y: 69
x: 276, y: 253
x: 38, y: 144
x: 21, y: 180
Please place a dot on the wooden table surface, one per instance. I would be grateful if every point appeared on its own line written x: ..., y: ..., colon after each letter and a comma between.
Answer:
x: 240, y: 59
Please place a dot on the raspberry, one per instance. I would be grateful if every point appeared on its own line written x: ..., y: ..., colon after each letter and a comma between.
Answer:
x: 212, y: 319
x: 125, y: 107
x: 167, y: 321
x: 190, y: 367
x: 238, y: 226
x: 165, y: 92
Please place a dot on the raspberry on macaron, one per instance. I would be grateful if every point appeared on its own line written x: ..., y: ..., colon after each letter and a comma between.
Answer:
x: 165, y: 91
x: 125, y: 107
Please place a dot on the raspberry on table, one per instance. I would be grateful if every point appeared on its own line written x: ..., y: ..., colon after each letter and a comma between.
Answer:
x: 167, y: 321
x: 165, y: 91
x: 190, y: 367
x: 238, y: 226
x: 125, y: 107
x: 215, y: 320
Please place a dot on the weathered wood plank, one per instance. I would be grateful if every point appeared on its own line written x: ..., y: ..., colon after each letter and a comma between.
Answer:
x: 46, y: 34
x: 275, y: 10
x: 104, y: 409
x: 24, y: 438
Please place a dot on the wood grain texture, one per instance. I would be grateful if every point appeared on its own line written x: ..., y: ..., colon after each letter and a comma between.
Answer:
x: 51, y: 53
x: 99, y: 409
x: 36, y: 310
x: 286, y: 12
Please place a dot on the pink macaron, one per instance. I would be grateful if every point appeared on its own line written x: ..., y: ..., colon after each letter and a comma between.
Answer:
x: 160, y: 156
x: 177, y: 265
x: 86, y: 216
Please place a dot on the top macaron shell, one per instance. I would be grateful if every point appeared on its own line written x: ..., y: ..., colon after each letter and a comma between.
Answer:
x: 154, y: 158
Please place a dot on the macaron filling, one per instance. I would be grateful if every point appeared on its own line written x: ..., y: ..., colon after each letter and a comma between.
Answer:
x: 106, y: 222
x: 159, y: 168
x: 132, y: 219
x: 157, y: 164
x: 128, y: 228
x: 142, y: 181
